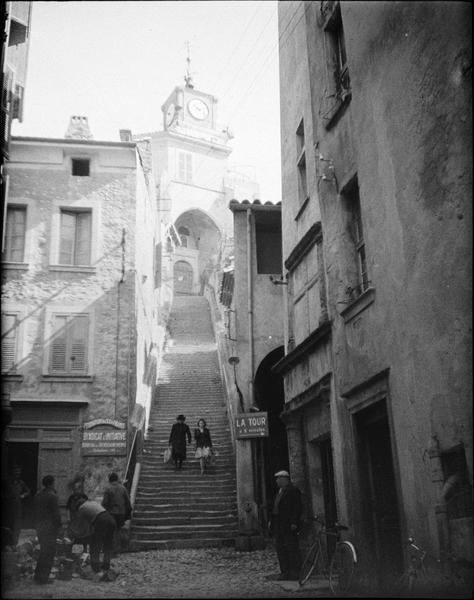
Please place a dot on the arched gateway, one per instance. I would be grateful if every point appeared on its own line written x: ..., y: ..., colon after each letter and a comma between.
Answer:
x: 272, y: 454
x: 199, y: 253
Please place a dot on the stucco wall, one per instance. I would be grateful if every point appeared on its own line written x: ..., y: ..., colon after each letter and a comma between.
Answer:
x: 406, y: 133
x: 117, y: 290
x: 295, y: 106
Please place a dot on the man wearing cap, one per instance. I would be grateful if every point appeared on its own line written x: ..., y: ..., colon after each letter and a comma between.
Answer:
x: 285, y: 524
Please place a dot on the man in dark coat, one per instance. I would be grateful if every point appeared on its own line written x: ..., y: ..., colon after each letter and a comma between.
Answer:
x: 72, y: 506
x: 95, y: 522
x: 117, y: 501
x: 285, y: 524
x: 47, y: 524
x: 179, y: 433
x: 20, y: 491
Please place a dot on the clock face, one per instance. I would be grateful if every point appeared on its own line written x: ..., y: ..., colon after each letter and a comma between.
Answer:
x: 198, y: 109
x: 170, y: 114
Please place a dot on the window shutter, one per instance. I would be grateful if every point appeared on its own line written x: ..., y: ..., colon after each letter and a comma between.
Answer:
x: 189, y: 168
x: 9, y: 341
x: 66, y: 248
x: 83, y: 238
x: 58, y: 344
x: 78, y: 333
x: 182, y: 166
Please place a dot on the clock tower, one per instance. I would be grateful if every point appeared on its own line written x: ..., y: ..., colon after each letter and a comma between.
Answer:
x: 189, y: 159
x: 192, y: 112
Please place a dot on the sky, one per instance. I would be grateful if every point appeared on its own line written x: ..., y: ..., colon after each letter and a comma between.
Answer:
x: 117, y: 62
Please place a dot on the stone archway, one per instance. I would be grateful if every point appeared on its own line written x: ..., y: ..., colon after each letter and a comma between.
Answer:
x: 273, y: 453
x: 202, y: 247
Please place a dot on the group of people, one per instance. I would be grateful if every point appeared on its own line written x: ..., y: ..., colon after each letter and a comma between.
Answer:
x: 93, y: 524
x: 96, y: 525
x: 180, y: 436
x: 285, y: 520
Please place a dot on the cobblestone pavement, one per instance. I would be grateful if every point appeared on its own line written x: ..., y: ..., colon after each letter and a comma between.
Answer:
x: 203, y: 573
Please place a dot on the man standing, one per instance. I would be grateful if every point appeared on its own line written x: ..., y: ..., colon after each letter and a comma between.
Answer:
x: 47, y: 524
x: 20, y: 492
x: 95, y: 521
x: 117, y: 501
x: 179, y: 433
x: 285, y: 524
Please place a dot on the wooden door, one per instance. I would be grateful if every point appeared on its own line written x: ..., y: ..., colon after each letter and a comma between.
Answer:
x: 183, y: 278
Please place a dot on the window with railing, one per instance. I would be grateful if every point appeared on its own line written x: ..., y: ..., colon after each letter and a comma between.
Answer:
x: 358, y: 278
x: 339, y: 84
x: 338, y: 56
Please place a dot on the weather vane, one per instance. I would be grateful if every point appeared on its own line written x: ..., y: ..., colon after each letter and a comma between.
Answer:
x: 188, y: 78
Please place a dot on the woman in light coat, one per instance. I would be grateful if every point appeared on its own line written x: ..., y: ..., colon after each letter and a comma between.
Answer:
x: 202, y: 436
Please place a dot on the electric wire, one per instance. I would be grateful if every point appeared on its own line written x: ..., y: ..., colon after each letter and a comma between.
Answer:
x: 239, y: 43
x: 271, y: 55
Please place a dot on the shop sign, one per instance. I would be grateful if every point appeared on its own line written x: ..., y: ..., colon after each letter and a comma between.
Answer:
x: 104, y: 437
x: 251, y: 425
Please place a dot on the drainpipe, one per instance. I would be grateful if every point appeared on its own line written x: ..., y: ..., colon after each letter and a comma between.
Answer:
x: 441, y: 512
x: 250, y: 304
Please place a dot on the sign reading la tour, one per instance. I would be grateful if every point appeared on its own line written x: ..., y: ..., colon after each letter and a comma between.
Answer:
x: 251, y: 425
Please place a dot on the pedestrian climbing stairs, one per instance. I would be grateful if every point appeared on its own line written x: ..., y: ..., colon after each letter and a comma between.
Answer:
x: 182, y: 509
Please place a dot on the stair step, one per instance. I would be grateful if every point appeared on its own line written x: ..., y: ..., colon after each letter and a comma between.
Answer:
x: 170, y: 544
x: 177, y: 509
x: 192, y: 532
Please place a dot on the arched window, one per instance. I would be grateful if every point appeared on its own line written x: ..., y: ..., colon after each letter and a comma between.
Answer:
x: 183, y: 234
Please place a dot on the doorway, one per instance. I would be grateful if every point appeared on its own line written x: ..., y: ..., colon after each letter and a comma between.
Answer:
x: 328, y: 485
x: 25, y: 456
x: 271, y: 452
x: 379, y: 498
x: 183, y: 278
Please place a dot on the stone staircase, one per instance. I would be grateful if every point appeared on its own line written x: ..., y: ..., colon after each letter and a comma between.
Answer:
x: 182, y: 509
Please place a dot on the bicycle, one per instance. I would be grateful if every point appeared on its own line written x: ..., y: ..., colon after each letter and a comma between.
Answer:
x: 342, y: 564
x: 426, y: 573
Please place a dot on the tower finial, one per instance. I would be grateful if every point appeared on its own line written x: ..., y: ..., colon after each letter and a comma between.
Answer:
x: 187, y: 78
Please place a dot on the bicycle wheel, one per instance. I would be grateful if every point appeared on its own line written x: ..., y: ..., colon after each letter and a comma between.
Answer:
x: 341, y: 569
x: 310, y: 562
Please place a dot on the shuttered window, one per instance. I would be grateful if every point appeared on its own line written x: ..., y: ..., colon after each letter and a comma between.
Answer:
x: 185, y: 167
x: 75, y: 237
x: 10, y: 324
x: 69, y: 344
x: 15, y: 232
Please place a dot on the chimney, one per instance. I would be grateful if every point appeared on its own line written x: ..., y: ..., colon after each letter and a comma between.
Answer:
x: 78, y: 129
x: 125, y: 135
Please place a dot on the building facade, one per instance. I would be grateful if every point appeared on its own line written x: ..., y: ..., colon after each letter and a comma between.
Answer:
x: 15, y: 44
x: 250, y: 342
x: 376, y: 168
x: 81, y: 333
